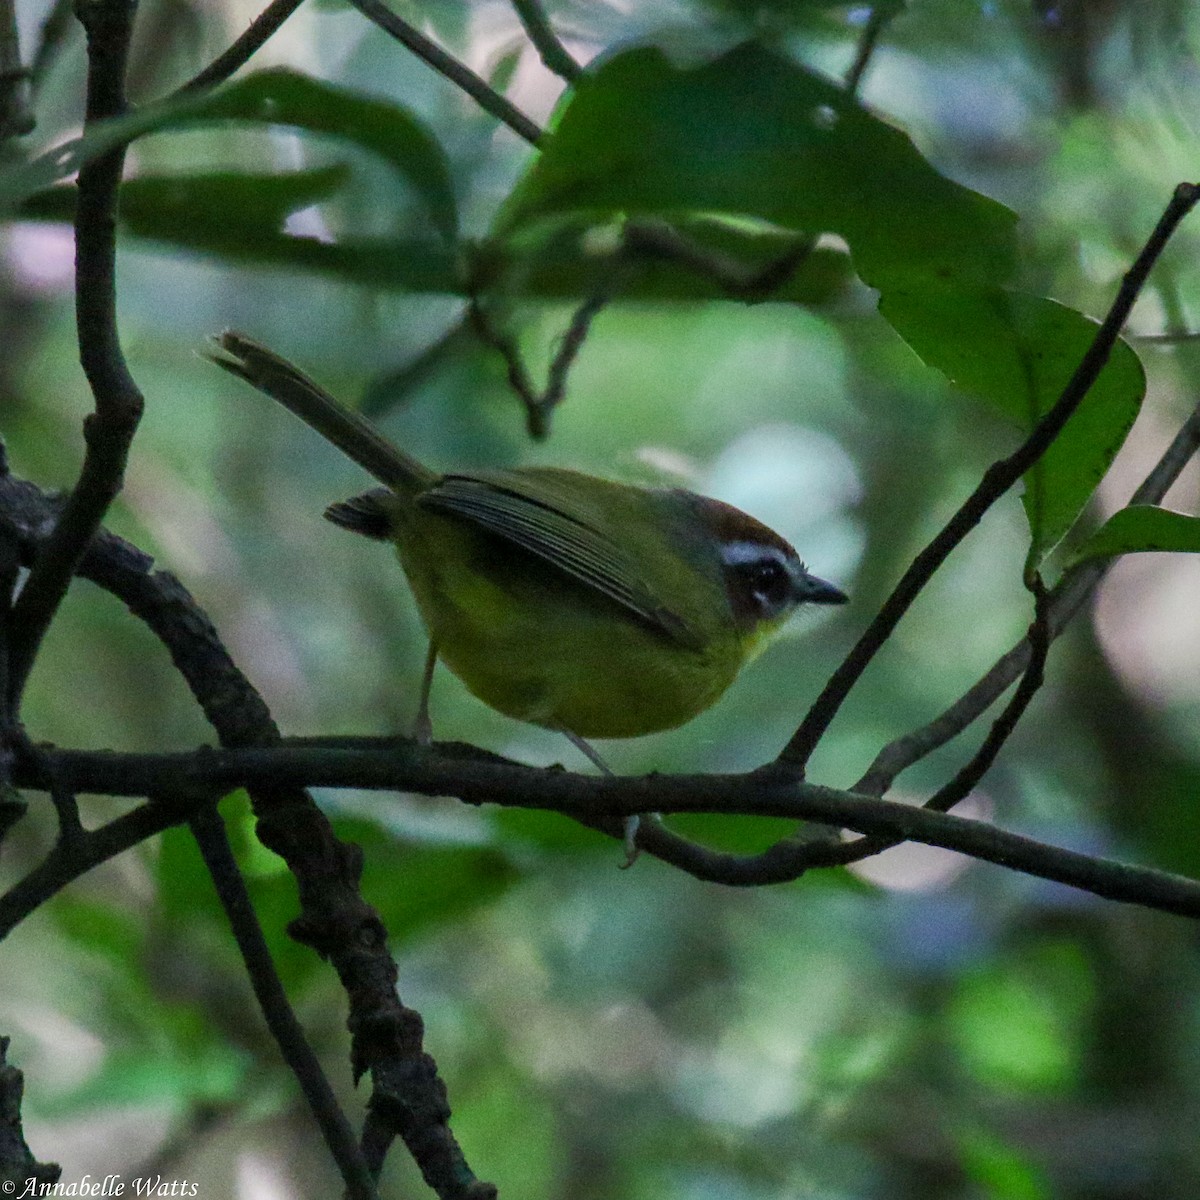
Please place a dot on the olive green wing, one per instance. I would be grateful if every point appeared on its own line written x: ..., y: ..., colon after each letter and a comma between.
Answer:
x: 532, y: 510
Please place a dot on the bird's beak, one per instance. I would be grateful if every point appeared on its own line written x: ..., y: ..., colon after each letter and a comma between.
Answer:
x: 811, y: 590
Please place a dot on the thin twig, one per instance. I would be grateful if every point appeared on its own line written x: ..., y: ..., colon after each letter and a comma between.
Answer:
x: 540, y: 406
x: 881, y: 16
x: 504, y: 345
x: 16, y: 116
x: 1064, y: 602
x: 996, y: 481
x: 209, y: 831
x: 109, y: 430
x: 55, y: 29
x: 968, y: 777
x: 550, y: 50
x: 240, y: 52
x: 69, y: 861
x: 462, y: 76
x: 653, y: 238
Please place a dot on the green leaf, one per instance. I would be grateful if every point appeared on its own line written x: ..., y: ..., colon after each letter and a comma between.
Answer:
x: 1142, y: 527
x: 237, y: 218
x: 1017, y: 352
x: 1002, y: 1171
x: 550, y: 831
x: 215, y: 1074
x: 250, y: 203
x: 104, y: 929
x: 274, y: 97
x: 416, y: 888
x: 753, y: 133
x: 283, y: 97
x: 1019, y: 1024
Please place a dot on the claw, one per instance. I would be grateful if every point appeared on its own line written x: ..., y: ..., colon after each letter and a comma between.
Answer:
x: 632, y: 849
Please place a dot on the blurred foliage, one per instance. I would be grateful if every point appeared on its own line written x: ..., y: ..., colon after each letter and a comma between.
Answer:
x: 941, y: 1031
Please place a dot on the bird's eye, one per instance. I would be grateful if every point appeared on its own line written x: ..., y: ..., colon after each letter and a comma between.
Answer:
x: 760, y: 579
x: 769, y: 583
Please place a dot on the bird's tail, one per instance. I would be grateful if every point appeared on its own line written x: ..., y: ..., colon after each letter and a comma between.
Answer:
x: 369, y: 514
x: 351, y: 432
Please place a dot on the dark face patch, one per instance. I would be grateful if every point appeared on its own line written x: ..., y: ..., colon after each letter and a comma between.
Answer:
x: 760, y: 580
x: 764, y: 577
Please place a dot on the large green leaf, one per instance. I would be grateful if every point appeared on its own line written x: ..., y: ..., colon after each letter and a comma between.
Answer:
x: 753, y: 133
x: 419, y: 887
x: 1017, y: 352
x: 238, y: 218
x: 273, y: 97
x: 247, y: 204
x: 1142, y: 527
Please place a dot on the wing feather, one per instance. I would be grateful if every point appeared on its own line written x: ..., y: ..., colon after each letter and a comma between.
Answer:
x: 537, y: 516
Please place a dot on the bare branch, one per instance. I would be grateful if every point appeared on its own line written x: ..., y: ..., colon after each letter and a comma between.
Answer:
x: 209, y: 832
x: 240, y: 52
x: 109, y: 430
x: 881, y: 15
x: 550, y: 50
x: 998, y: 478
x: 397, y: 764
x: 71, y: 860
x: 657, y: 239
x: 540, y: 406
x: 476, y: 87
x: 408, y: 1096
x: 1065, y: 601
x: 16, y: 117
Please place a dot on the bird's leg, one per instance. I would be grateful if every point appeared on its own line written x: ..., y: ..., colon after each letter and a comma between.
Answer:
x: 631, y: 823
x: 423, y: 725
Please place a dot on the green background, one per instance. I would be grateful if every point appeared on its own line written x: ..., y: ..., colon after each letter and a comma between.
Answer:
x: 925, y: 1028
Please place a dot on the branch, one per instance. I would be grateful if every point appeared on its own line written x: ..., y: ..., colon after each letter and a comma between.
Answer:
x: 397, y: 764
x: 1065, y: 601
x: 1037, y: 641
x: 490, y: 100
x: 791, y: 857
x: 241, y: 51
x: 209, y: 832
x: 550, y: 50
x: 69, y: 860
x: 540, y: 406
x: 17, y: 1163
x: 658, y: 239
x: 882, y: 15
x: 109, y: 430
x: 16, y: 117
x: 998, y: 478
x: 55, y: 28
x: 408, y: 1096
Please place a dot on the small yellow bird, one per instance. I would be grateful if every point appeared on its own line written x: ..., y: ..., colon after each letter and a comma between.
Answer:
x: 594, y: 608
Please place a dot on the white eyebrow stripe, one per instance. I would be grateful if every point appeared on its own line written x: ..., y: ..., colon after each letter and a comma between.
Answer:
x: 738, y: 554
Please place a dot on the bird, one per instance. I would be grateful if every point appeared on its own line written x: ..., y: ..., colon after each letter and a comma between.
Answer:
x: 596, y: 608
